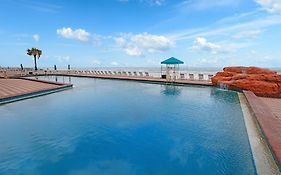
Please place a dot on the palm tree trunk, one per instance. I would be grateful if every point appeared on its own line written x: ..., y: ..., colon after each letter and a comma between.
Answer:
x: 35, y: 63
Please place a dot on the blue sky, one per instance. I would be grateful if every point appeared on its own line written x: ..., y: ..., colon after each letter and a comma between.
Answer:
x: 117, y: 33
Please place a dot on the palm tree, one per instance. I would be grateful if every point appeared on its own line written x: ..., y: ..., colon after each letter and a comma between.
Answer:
x: 36, y: 53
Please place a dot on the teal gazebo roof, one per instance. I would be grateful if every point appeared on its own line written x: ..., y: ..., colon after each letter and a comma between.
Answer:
x: 172, y: 60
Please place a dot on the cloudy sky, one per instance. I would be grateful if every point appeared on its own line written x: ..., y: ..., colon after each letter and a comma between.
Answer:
x: 115, y: 33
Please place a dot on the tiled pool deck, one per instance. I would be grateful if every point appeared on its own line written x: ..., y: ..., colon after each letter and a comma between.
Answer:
x: 15, y: 89
x: 274, y: 104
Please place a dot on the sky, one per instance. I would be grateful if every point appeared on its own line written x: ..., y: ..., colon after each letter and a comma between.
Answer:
x: 141, y: 33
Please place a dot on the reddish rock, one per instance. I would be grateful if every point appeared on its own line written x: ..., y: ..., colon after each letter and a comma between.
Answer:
x: 263, y: 82
x: 248, y: 70
x: 239, y: 76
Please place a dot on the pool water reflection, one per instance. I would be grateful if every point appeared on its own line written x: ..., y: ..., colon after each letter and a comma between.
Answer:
x: 122, y: 127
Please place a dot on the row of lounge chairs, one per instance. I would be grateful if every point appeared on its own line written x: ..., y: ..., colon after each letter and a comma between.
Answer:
x: 13, y: 71
x: 191, y: 76
x: 119, y: 73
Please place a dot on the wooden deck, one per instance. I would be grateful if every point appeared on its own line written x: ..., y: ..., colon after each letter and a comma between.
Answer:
x: 12, y: 88
x: 267, y: 112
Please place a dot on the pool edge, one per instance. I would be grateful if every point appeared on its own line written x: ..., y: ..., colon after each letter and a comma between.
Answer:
x: 34, y: 94
x: 262, y: 155
x: 140, y: 79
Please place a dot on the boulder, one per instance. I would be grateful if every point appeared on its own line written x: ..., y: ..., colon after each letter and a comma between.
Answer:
x: 263, y: 82
x: 248, y: 70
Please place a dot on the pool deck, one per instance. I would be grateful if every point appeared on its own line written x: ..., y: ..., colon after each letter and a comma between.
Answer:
x: 267, y: 112
x: 147, y: 79
x: 274, y: 104
x: 17, y: 89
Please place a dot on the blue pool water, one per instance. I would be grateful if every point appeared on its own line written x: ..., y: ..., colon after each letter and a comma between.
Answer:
x: 105, y: 127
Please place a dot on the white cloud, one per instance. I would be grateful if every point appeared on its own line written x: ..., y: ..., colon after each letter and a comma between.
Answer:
x: 205, y: 4
x: 205, y: 61
x: 114, y: 63
x: 156, y: 2
x: 96, y: 62
x: 247, y: 34
x: 257, y: 24
x: 36, y: 37
x: 271, y: 6
x: 79, y: 34
x: 133, y: 51
x: 38, y: 6
x: 149, y: 2
x: 153, y: 43
x: 121, y: 42
x: 63, y: 58
x: 202, y: 44
x: 253, y: 52
x: 136, y: 45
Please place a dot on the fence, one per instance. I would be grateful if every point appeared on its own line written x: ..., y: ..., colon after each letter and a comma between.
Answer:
x: 204, y: 76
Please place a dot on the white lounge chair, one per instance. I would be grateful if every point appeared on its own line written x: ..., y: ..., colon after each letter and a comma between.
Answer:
x: 210, y: 76
x: 182, y: 76
x: 201, y: 76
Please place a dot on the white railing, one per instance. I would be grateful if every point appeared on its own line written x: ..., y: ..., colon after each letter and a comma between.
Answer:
x: 184, y: 75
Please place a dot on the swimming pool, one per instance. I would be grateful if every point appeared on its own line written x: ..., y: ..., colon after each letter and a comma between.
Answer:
x: 124, y: 127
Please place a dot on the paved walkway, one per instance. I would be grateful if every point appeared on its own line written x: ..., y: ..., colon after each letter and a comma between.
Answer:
x: 17, y: 87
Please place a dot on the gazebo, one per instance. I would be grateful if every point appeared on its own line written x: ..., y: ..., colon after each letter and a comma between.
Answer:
x: 171, y: 70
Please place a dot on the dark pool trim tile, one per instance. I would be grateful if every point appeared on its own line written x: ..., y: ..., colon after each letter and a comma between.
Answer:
x: 269, y: 124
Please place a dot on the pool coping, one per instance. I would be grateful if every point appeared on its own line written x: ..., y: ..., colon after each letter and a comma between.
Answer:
x: 267, y: 125
x: 44, y: 81
x: 23, y: 96
x: 141, y: 79
x: 262, y: 156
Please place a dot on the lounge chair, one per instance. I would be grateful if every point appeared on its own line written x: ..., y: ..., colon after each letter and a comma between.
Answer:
x: 201, y: 76
x: 182, y: 76
x: 210, y: 76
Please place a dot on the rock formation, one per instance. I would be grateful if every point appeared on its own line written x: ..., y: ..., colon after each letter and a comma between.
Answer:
x: 263, y: 82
